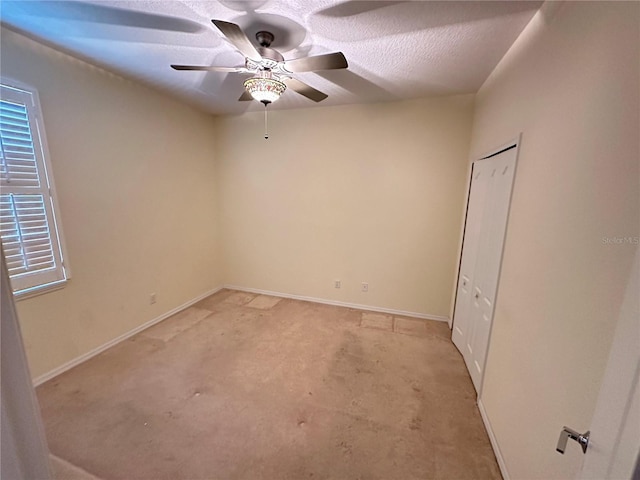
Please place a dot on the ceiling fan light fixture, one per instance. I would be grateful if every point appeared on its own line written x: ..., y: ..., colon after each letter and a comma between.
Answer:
x: 264, y: 89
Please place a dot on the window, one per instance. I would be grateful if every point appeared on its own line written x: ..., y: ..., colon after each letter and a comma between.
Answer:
x: 29, y: 229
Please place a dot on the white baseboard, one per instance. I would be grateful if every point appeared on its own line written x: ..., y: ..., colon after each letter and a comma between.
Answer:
x: 92, y: 353
x: 424, y: 316
x: 494, y: 441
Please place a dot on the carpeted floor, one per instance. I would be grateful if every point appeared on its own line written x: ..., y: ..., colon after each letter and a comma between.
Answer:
x: 244, y: 386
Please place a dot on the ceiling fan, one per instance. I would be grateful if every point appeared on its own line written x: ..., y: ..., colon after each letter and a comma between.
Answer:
x: 272, y: 74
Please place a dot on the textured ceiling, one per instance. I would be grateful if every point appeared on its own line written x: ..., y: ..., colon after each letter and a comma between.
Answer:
x: 395, y: 49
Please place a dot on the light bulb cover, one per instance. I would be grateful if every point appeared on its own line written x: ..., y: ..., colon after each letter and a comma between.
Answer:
x: 264, y: 89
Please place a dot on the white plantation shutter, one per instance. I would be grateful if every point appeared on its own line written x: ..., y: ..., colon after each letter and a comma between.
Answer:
x: 28, y: 228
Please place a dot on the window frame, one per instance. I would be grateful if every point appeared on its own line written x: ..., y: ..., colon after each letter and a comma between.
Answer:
x: 47, y: 189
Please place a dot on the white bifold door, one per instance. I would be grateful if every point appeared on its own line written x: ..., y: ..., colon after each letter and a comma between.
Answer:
x: 485, y: 228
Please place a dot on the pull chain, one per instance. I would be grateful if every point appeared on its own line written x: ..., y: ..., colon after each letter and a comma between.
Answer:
x: 266, y: 132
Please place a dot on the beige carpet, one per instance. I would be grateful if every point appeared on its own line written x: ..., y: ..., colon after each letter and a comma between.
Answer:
x: 63, y: 470
x: 244, y: 386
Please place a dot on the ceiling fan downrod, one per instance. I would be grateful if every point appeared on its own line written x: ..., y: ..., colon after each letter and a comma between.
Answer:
x: 264, y: 38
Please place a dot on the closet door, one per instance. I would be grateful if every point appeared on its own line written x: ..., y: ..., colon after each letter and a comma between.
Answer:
x: 487, y: 214
x: 475, y: 210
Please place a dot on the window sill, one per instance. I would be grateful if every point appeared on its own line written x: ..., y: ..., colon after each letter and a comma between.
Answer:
x: 41, y: 290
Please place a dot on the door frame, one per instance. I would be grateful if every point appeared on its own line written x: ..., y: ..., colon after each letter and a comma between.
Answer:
x: 24, y: 445
x: 515, y: 142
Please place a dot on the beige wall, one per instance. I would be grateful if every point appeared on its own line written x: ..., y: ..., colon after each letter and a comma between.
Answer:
x: 356, y: 193
x: 570, y: 84
x: 135, y: 177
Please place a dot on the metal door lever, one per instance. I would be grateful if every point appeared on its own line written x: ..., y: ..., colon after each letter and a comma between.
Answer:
x: 568, y: 433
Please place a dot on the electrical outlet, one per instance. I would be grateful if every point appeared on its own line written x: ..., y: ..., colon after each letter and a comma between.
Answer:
x: 337, y: 284
x: 152, y: 298
x: 365, y: 287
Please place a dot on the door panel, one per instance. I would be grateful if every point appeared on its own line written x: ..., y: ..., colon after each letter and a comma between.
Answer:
x: 475, y: 209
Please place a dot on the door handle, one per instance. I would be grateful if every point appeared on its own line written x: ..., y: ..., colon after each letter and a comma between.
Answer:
x: 568, y: 433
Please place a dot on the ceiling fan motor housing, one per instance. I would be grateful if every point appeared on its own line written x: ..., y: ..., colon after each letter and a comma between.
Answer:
x: 270, y: 60
x: 270, y: 56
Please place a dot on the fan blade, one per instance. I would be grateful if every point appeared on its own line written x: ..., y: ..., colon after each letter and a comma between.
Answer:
x: 329, y: 61
x: 209, y: 69
x: 237, y: 37
x: 245, y: 97
x: 305, y: 90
